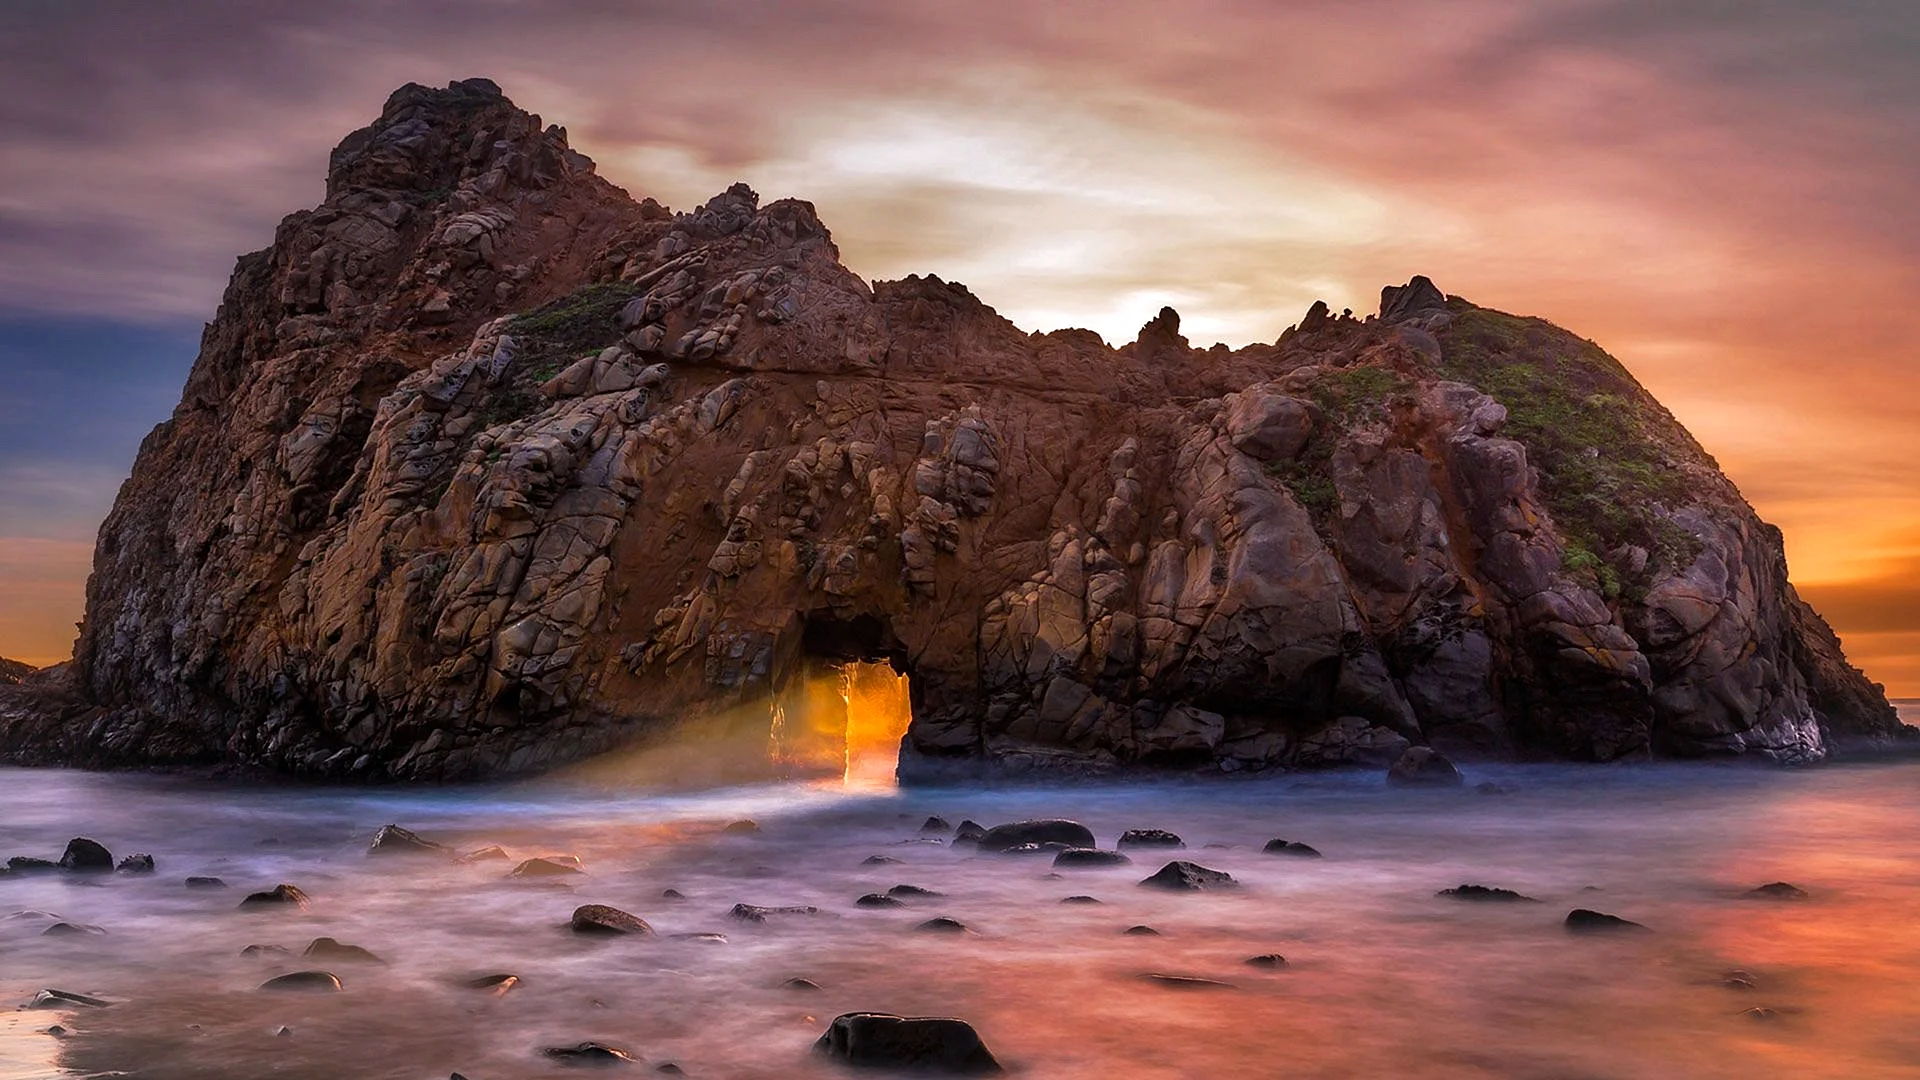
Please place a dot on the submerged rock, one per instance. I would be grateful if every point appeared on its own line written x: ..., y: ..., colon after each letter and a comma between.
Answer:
x: 1423, y: 766
x: 805, y: 985
x: 327, y: 949
x: 1089, y: 859
x: 497, y: 984
x: 282, y: 895
x: 72, y: 929
x: 141, y: 863
x: 935, y: 824
x: 743, y: 827
x: 1184, y: 982
x: 1079, y: 900
x: 601, y: 919
x: 1140, y: 931
x: 64, y: 999
x: 1289, y: 847
x: 1485, y: 894
x: 313, y: 982
x: 1044, y: 831
x: 969, y: 832
x: 1183, y: 876
x: 1778, y: 890
x: 547, y: 867
x: 912, y: 892
x: 201, y: 881
x: 1149, y: 838
x: 86, y: 856
x: 879, y: 900
x: 394, y: 840
x: 26, y: 864
x: 589, y: 1053
x: 1266, y: 960
x: 1586, y: 921
x: 753, y: 913
x: 942, y: 924
x: 919, y: 1044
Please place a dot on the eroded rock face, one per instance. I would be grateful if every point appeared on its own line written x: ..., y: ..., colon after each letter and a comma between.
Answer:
x: 486, y: 467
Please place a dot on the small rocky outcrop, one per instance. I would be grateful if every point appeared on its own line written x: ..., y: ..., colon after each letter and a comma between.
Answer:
x: 1069, y: 834
x: 485, y: 466
x: 1089, y: 859
x: 280, y: 896
x: 1485, y: 894
x: 588, y: 1053
x: 915, y: 1044
x: 86, y: 856
x: 1588, y: 921
x: 1149, y: 838
x: 310, y: 982
x: 394, y: 840
x: 1778, y: 890
x: 601, y: 919
x: 1183, y: 876
x: 1292, y: 848
x: 328, y: 950
x: 13, y: 671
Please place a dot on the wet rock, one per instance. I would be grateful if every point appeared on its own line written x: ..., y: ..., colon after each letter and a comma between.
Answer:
x: 935, y: 825
x: 588, y: 1053
x: 497, y: 984
x: 920, y: 1044
x: 1423, y: 766
x: 313, y: 982
x: 1739, y: 980
x: 701, y: 938
x: 280, y: 896
x: 490, y: 853
x: 1089, y: 859
x: 64, y: 999
x: 328, y: 950
x: 878, y: 860
x: 754, y: 913
x: 743, y: 827
x: 1149, y: 838
x: 201, y: 881
x: 86, y: 856
x: 1184, y: 982
x: 879, y: 900
x: 1266, y: 960
x: 1778, y: 890
x: 57, y: 1031
x: 1289, y: 847
x: 44, y: 915
x: 1587, y: 921
x: 1140, y: 931
x: 26, y: 864
x: 969, y: 832
x: 283, y: 1032
x: 1485, y: 894
x: 672, y: 894
x: 602, y: 919
x: 1760, y: 1012
x: 141, y: 863
x: 547, y: 867
x: 912, y: 892
x: 1079, y: 900
x: 803, y: 985
x: 1183, y: 876
x: 1042, y: 831
x: 71, y: 929
x: 668, y: 1068
x: 266, y: 950
x: 941, y: 924
x: 394, y: 840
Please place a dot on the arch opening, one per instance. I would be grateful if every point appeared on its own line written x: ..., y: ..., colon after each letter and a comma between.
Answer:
x: 845, y: 708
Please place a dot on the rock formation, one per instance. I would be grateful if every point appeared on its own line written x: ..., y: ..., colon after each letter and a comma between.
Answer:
x: 13, y: 671
x: 485, y: 467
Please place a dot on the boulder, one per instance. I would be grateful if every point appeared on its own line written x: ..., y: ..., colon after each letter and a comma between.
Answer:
x: 327, y: 950
x: 1089, y: 859
x: 1267, y: 960
x: 601, y: 919
x: 547, y: 867
x: 1425, y: 767
x: 1485, y: 894
x: 588, y: 1053
x: 72, y: 929
x: 86, y: 856
x: 201, y: 881
x: 311, y: 982
x: 394, y: 840
x: 1184, y: 982
x: 1291, y: 847
x: 941, y: 924
x: 280, y: 896
x: 1140, y: 930
x: 879, y: 900
x: 1183, y: 876
x: 753, y: 913
x: 141, y: 863
x: 64, y: 999
x: 497, y: 984
x: 1149, y: 838
x: 916, y: 1044
x: 1079, y: 899
x: 1778, y: 890
x: 1587, y: 921
x: 912, y: 892
x: 1044, y: 831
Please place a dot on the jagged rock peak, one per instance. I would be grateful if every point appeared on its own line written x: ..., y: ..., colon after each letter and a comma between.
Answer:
x: 429, y: 140
x: 1399, y: 303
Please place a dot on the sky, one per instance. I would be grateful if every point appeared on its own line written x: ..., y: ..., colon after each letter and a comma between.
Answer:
x: 1721, y: 193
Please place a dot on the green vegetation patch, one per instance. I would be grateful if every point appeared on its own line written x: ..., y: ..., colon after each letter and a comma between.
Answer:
x: 1605, y: 450
x: 548, y: 339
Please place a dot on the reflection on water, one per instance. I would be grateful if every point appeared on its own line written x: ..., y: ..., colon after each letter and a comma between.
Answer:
x: 1384, y: 979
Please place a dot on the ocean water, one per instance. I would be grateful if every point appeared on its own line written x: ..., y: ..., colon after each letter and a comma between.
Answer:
x: 1383, y: 978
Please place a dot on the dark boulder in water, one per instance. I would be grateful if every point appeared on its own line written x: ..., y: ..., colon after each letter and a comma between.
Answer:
x: 935, y: 824
x: 804, y: 985
x: 969, y: 832
x: 602, y: 919
x: 878, y: 860
x: 920, y: 1044
x: 312, y: 982
x: 1778, y: 890
x: 1586, y: 921
x: 1184, y: 982
x: 1140, y: 931
x: 754, y: 913
x: 1149, y: 838
x: 498, y: 983
x: 743, y: 827
x: 279, y: 896
x: 1183, y: 876
x: 549, y: 866
x: 64, y: 999
x: 589, y: 1053
x: 71, y: 929
x: 204, y: 882
x: 265, y: 950
x: 1079, y: 900
x: 879, y: 900
x: 490, y: 853
x: 394, y: 840
x: 1423, y: 766
x: 1485, y: 894
x: 327, y: 949
x: 1290, y: 847
x: 1267, y: 960
x: 1089, y: 859
x: 141, y: 863
x: 26, y: 864
x: 942, y: 924
x: 86, y: 856
x: 912, y: 892
x: 1041, y: 831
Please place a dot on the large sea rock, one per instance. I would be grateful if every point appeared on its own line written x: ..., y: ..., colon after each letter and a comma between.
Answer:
x: 485, y: 466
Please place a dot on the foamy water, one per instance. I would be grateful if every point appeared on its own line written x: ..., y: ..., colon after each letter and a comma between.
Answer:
x: 1383, y: 978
